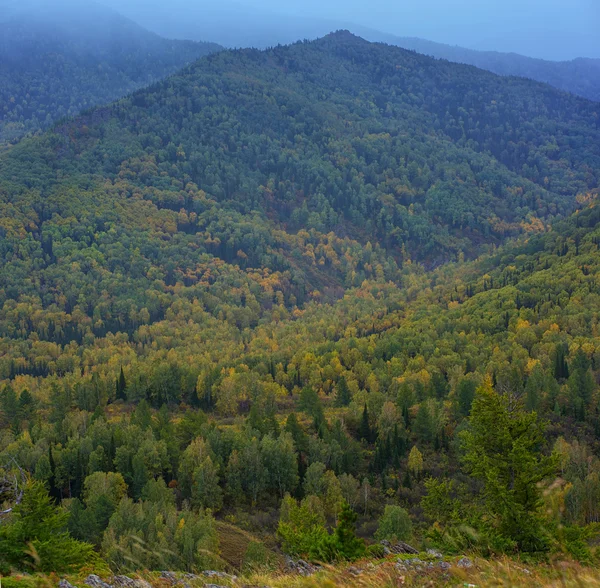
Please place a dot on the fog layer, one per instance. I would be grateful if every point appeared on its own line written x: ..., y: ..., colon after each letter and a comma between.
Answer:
x: 550, y: 29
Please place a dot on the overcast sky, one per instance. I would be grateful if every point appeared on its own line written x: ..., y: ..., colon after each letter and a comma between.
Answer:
x: 489, y: 24
x: 552, y: 29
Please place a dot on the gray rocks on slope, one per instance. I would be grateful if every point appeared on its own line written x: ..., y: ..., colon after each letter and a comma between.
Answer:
x: 301, y: 567
x: 96, y: 582
x: 398, y: 548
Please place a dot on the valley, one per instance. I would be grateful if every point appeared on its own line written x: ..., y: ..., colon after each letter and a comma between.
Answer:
x: 307, y: 301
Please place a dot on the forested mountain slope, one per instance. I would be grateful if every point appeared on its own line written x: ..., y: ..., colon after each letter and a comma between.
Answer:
x: 210, y: 297
x: 342, y: 134
x: 301, y: 170
x: 579, y: 76
x: 383, y: 382
x: 57, y: 60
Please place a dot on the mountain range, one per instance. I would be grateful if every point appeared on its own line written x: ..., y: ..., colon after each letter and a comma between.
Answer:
x: 236, y: 25
x: 58, y: 60
x: 579, y: 76
x: 257, y: 159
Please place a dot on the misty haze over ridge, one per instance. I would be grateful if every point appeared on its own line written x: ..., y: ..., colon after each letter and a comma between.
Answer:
x: 546, y: 29
x: 535, y: 28
x: 56, y: 62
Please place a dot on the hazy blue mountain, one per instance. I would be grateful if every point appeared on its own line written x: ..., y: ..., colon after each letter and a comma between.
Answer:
x: 57, y: 62
x: 580, y: 76
x: 237, y: 25
x: 227, y: 23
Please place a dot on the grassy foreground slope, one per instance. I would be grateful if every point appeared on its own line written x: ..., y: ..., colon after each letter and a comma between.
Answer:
x: 502, y: 572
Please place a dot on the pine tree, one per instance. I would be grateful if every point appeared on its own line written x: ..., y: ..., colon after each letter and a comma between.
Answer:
x: 25, y: 405
x: 581, y: 385
x: 343, y: 396
x: 347, y: 544
x: 406, y: 417
x: 292, y: 426
x: 54, y: 491
x: 561, y: 368
x: 502, y: 449
x: 121, y: 386
x: 365, y: 427
x: 424, y: 426
x: 465, y: 392
x: 9, y: 404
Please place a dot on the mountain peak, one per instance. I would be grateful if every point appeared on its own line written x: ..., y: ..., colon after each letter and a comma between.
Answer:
x: 343, y: 36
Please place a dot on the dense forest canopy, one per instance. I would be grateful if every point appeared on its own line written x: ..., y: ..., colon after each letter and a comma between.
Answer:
x: 319, y: 287
x: 54, y: 64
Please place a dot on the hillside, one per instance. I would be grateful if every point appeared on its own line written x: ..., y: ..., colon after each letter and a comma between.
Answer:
x: 337, y: 272
x: 56, y: 61
x: 579, y: 76
x: 432, y: 157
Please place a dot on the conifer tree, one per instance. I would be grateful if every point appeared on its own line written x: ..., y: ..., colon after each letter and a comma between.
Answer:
x: 121, y: 386
x: 343, y: 396
x: 348, y: 545
x: 365, y: 427
x: 502, y: 449
x: 35, y: 536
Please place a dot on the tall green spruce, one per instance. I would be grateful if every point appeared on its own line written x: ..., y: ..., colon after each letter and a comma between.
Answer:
x: 121, y: 386
x: 365, y: 427
x: 503, y: 448
x: 343, y: 396
x: 347, y: 544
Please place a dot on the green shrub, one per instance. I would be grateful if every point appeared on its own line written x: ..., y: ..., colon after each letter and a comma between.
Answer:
x: 258, y: 557
x: 394, y: 524
x: 376, y: 551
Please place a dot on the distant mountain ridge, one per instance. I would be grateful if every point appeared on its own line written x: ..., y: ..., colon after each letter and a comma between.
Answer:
x: 233, y: 25
x: 580, y: 76
x: 56, y: 64
x: 427, y: 158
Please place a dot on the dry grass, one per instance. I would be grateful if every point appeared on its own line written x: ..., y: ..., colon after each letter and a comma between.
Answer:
x: 497, y: 573
x: 234, y: 542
